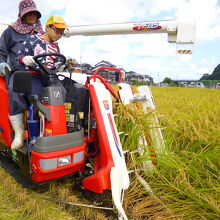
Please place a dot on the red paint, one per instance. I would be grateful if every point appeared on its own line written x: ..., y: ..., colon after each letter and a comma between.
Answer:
x: 40, y: 175
x: 106, y: 84
x: 57, y: 123
x: 5, y: 137
x: 100, y: 180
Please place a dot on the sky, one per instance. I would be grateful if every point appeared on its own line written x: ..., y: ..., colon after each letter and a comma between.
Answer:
x: 149, y: 54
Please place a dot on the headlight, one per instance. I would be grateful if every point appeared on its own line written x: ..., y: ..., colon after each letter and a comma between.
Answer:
x: 62, y: 161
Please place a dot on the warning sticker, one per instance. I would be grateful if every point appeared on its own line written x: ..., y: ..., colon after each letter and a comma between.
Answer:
x: 67, y: 105
x: 67, y: 117
x: 47, y: 132
x: 81, y: 115
x: 72, y: 118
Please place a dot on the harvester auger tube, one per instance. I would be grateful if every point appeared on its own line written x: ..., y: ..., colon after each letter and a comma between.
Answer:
x: 180, y: 32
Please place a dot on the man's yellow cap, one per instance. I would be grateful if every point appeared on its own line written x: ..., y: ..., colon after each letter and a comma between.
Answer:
x: 56, y: 21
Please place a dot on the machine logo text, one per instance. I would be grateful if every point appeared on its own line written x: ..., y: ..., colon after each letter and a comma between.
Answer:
x: 106, y: 105
x: 147, y: 26
x: 56, y: 94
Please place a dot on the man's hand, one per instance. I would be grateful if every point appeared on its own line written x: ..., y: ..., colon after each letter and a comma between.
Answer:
x: 61, y: 68
x: 28, y: 60
x: 3, y: 67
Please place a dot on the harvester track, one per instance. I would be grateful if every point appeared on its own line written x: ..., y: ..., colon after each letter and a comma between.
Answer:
x: 10, y: 167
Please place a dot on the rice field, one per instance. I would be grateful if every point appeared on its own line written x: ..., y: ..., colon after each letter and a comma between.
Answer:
x: 185, y: 182
x: 183, y: 185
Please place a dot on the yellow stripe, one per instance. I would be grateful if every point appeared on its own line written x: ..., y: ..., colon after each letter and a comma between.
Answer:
x: 184, y: 51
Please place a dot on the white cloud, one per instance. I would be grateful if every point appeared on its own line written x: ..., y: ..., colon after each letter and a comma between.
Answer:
x: 8, y: 11
x: 206, y: 13
x: 145, y: 66
x: 207, y: 66
x: 154, y: 46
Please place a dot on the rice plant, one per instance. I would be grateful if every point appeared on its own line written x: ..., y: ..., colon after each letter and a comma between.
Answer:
x: 185, y: 181
x: 184, y: 184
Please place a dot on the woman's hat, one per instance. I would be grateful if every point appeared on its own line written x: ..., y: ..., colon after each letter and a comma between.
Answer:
x: 26, y: 6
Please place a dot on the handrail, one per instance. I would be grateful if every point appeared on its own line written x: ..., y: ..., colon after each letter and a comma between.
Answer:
x: 109, y: 68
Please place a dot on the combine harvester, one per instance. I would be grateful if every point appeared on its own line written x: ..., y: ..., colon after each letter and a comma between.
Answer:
x: 81, y: 136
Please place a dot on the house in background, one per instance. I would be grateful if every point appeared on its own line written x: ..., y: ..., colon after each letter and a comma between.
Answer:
x: 132, y: 76
x: 112, y: 75
x: 104, y: 63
